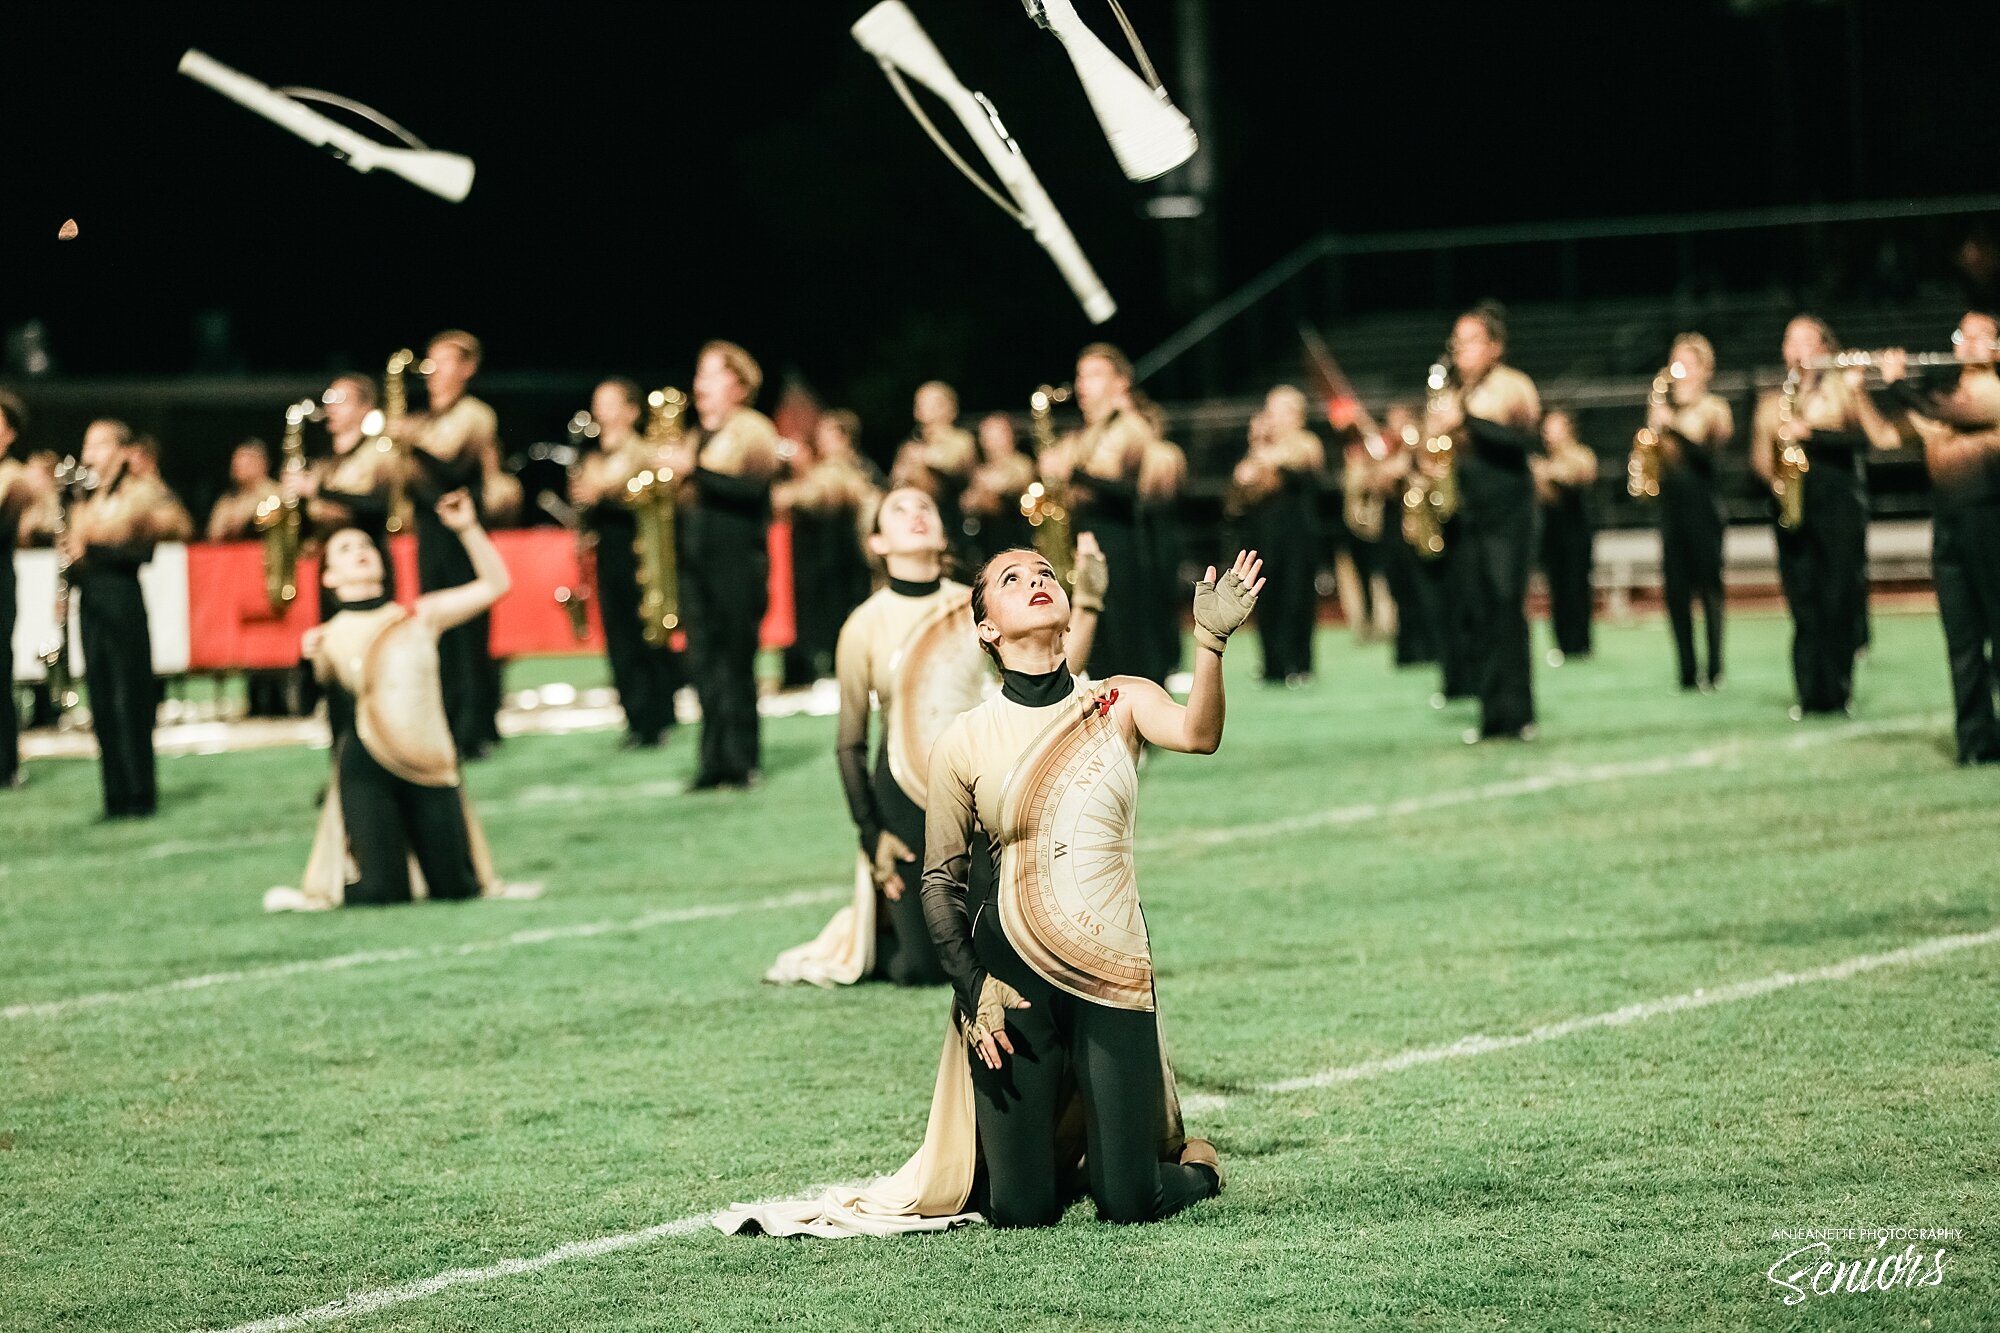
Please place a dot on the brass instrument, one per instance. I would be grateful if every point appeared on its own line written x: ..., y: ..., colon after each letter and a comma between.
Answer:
x: 1045, y: 504
x: 574, y: 598
x: 278, y: 517
x: 653, y: 494
x: 1858, y: 360
x: 1789, y: 466
x: 1642, y: 469
x: 1431, y: 498
x: 396, y: 406
x: 1361, y: 507
x: 74, y: 482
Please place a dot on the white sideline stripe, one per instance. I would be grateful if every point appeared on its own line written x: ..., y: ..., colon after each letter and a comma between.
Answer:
x: 1464, y: 1047
x: 1531, y: 784
x: 371, y: 957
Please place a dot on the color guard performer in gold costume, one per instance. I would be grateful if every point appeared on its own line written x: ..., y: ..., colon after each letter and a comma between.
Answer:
x: 396, y: 803
x: 1956, y: 412
x: 1828, y: 416
x: 1054, y: 984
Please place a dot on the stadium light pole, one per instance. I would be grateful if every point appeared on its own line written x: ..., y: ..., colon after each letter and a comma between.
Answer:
x: 1184, y: 202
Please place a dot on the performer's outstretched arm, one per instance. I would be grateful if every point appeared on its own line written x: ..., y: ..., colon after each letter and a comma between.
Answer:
x: 1220, y: 608
x: 1089, y: 579
x: 449, y: 608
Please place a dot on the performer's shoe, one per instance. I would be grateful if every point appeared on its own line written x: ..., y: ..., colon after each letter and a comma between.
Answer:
x: 15, y: 783
x: 288, y: 899
x: 1438, y: 699
x: 1795, y: 713
x: 516, y: 891
x: 1201, y: 1153
x: 1555, y: 657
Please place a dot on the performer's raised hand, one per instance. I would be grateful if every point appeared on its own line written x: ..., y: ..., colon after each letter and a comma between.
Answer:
x: 455, y: 511
x: 986, y: 1033
x: 1221, y: 606
x: 890, y: 853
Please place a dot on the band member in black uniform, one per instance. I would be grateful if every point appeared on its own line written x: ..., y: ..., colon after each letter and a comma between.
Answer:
x: 452, y: 446
x: 1101, y: 465
x: 1957, y: 414
x: 398, y: 801
x: 939, y: 457
x: 234, y: 518
x: 1493, y: 415
x: 173, y: 523
x: 1823, y: 543
x: 20, y: 489
x: 1412, y: 585
x: 992, y: 499
x: 1162, y: 473
x: 826, y: 502
x: 355, y: 488
x: 643, y: 673
x: 109, y: 537
x: 1277, y: 485
x: 729, y: 463
x: 1563, y: 475
x: 1692, y: 428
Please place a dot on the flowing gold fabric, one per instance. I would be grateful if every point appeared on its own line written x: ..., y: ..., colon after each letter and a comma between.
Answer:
x: 939, y: 673
x: 844, y: 951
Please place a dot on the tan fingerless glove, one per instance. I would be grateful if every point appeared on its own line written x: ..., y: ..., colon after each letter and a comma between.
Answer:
x: 1089, y: 579
x: 996, y: 997
x: 1220, y: 608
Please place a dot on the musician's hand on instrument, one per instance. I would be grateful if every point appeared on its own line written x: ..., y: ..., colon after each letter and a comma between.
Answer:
x: 1855, y: 377
x: 71, y: 543
x: 891, y: 852
x: 296, y: 486
x: 1894, y: 364
x: 1444, y: 419
x: 986, y: 1031
x: 455, y: 511
x: 1659, y: 416
x: 1221, y: 606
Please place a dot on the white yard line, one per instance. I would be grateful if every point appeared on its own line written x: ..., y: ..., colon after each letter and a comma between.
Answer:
x: 1464, y: 1048
x: 372, y: 957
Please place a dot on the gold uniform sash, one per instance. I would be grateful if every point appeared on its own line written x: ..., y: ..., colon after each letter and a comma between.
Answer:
x: 1069, y: 898
x: 939, y: 673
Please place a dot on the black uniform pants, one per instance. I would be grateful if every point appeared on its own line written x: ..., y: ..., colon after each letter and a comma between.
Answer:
x: 1965, y: 566
x: 1287, y: 611
x: 118, y: 670
x: 1126, y: 643
x: 1566, y: 561
x: 388, y: 820
x: 1452, y: 580
x: 904, y: 952
x: 1820, y: 565
x: 1111, y: 1059
x: 1691, y: 555
x: 1416, y: 617
x: 643, y: 674
x: 724, y: 594
x: 10, y: 721
x: 1497, y: 544
x: 467, y: 671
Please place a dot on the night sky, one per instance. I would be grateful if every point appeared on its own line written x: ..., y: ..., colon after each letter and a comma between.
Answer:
x: 741, y: 169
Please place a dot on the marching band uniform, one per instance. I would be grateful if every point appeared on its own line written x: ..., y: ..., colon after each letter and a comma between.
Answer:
x: 1105, y: 458
x: 1495, y: 541
x: 725, y: 578
x: 15, y: 498
x: 1959, y: 423
x: 121, y: 520
x: 1162, y: 472
x: 1563, y: 478
x: 645, y: 675
x: 830, y: 574
x: 1691, y: 528
x: 992, y: 502
x: 939, y: 461
x: 1280, y: 487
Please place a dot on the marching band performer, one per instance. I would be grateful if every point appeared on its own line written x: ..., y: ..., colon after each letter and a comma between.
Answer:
x: 939, y: 457
x: 450, y: 446
x: 1101, y: 463
x: 827, y: 503
x: 1823, y: 545
x: 109, y: 536
x: 1278, y: 481
x: 1693, y: 427
x: 1051, y: 969
x: 234, y: 516
x: 909, y: 648
x: 173, y: 522
x: 396, y: 801
x: 1493, y: 413
x: 20, y: 490
x: 1563, y: 475
x: 642, y: 673
x: 992, y: 499
x: 729, y: 463
x: 1957, y: 415
x: 355, y: 487
x: 1414, y: 586
x: 1162, y: 473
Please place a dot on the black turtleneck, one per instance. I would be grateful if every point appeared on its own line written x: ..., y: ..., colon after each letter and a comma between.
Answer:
x: 915, y: 588
x: 366, y: 603
x: 1037, y: 690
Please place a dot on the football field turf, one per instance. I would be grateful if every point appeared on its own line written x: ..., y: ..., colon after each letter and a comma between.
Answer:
x: 1579, y: 1034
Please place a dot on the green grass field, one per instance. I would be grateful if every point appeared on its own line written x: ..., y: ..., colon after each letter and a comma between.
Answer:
x: 356, y: 1101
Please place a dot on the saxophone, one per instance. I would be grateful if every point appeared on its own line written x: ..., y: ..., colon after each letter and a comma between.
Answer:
x: 1430, y: 501
x: 574, y: 598
x: 74, y: 483
x: 653, y: 494
x: 1642, y: 469
x: 1046, y: 504
x: 1789, y: 467
x: 278, y: 517
x: 395, y: 406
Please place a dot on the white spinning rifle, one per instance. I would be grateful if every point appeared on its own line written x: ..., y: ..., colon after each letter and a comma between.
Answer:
x: 1148, y: 134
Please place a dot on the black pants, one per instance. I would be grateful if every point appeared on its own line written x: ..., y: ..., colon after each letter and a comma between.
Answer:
x: 10, y: 721
x: 1566, y: 561
x: 724, y: 593
x: 1287, y: 612
x: 469, y: 675
x: 1416, y: 617
x: 1127, y: 641
x: 904, y: 952
x: 388, y: 820
x: 643, y: 674
x: 1691, y: 555
x: 1111, y: 1058
x: 1497, y: 544
x: 118, y: 669
x: 268, y: 693
x: 1820, y: 565
x: 1965, y: 565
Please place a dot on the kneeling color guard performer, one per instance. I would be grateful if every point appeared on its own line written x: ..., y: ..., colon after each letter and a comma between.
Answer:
x: 1054, y: 984
x: 396, y: 798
